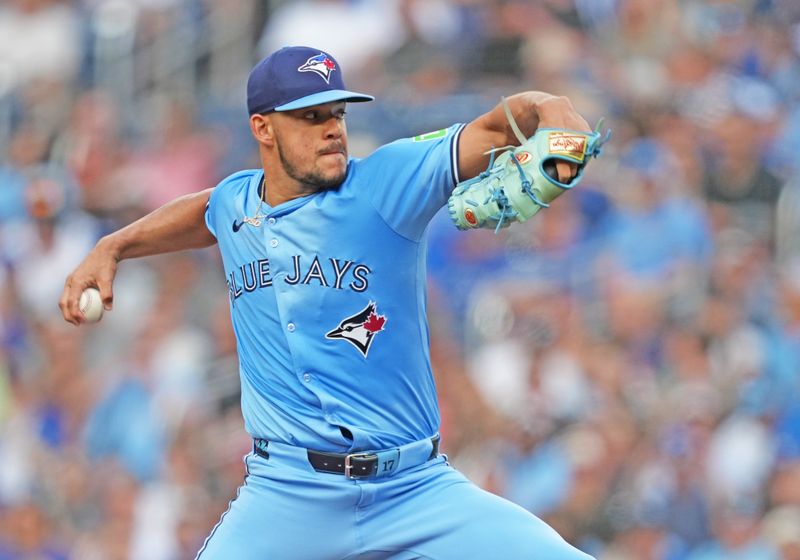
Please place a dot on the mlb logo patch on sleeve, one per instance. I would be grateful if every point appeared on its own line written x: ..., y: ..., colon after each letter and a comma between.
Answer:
x: 430, y: 135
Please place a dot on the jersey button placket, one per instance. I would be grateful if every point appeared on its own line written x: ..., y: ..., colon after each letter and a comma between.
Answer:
x: 273, y: 243
x: 290, y: 327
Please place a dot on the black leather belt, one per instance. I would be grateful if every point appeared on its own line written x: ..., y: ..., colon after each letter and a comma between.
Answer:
x: 352, y: 465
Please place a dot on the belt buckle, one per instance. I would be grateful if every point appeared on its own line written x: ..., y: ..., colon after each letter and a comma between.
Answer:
x: 348, y: 464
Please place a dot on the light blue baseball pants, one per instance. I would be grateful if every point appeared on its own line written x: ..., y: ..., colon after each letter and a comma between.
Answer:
x: 285, y: 510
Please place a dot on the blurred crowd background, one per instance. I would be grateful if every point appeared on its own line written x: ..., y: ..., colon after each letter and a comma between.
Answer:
x: 626, y: 365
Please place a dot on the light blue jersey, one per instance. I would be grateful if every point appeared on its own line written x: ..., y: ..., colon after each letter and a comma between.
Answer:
x: 328, y: 298
x: 328, y: 302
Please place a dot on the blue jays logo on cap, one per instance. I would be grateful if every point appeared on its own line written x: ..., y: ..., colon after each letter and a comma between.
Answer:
x: 320, y: 64
x: 289, y: 79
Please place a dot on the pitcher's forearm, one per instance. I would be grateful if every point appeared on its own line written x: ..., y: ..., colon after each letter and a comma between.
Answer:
x: 176, y: 226
x: 530, y: 110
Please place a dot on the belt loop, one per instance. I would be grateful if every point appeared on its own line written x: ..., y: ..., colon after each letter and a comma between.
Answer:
x: 435, y: 446
x: 260, y: 447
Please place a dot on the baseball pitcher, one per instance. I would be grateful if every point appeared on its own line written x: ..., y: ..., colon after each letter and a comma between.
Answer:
x: 324, y: 257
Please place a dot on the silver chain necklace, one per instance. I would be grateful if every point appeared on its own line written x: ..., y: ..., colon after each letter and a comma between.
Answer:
x: 258, y: 218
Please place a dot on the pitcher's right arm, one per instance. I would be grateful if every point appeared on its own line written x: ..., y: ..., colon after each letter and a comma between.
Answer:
x: 176, y: 226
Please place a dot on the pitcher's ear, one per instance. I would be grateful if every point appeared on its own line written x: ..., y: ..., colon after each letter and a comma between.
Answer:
x: 261, y: 127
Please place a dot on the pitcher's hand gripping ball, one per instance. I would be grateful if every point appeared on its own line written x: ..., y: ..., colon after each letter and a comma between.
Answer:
x: 523, y: 179
x: 91, y: 305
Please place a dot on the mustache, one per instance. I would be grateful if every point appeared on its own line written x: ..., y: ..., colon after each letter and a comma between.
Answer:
x: 333, y: 147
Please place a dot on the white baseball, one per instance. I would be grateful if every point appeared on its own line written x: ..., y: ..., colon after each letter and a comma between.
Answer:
x: 91, y: 305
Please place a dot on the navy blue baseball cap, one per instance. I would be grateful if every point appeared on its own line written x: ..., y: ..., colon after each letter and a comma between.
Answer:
x: 297, y: 77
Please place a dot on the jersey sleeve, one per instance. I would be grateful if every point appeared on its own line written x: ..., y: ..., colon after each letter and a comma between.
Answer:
x: 211, y: 207
x: 409, y: 180
x: 223, y: 197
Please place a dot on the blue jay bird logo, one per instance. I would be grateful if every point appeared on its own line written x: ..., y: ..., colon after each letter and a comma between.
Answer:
x: 320, y: 64
x: 360, y: 329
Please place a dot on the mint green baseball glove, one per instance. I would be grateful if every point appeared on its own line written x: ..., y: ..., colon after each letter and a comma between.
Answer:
x: 523, y: 179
